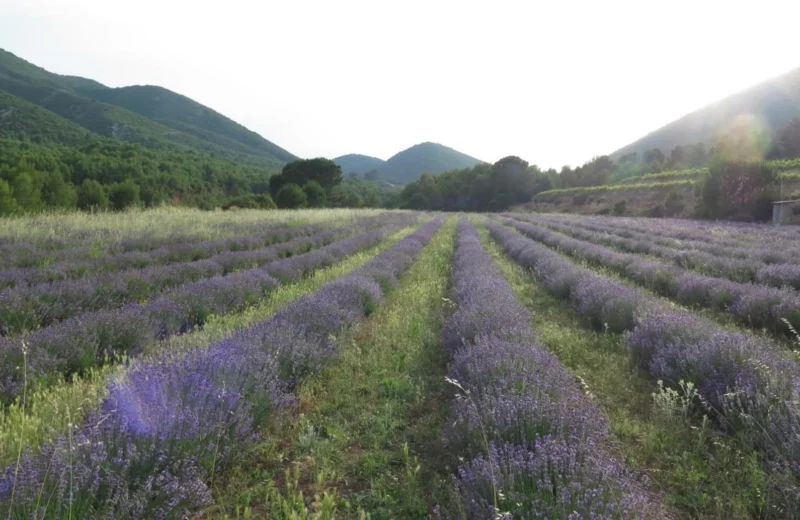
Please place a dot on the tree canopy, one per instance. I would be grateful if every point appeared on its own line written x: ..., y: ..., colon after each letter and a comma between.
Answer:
x: 324, y: 172
x: 483, y: 187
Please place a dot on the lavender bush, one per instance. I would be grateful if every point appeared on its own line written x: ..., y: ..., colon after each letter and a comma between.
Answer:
x: 532, y: 442
x: 181, y: 250
x: 754, y: 305
x: 170, y: 423
x: 28, y: 307
x: 92, y: 339
x: 745, y: 383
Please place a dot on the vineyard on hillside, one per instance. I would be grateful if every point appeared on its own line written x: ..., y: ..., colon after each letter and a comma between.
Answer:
x: 321, y: 364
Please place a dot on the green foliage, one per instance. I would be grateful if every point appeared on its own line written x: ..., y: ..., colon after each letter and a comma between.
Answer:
x: 8, y: 204
x: 27, y: 193
x: 431, y: 158
x: 555, y: 194
x: 123, y: 195
x: 666, y: 176
x: 315, y: 194
x: 360, y: 164
x: 619, y: 207
x: 190, y: 179
x: 151, y: 116
x: 483, y: 187
x: 324, y: 172
x: 252, y: 201
x: 356, y: 193
x: 186, y: 115
x: 674, y: 204
x: 291, y: 196
x: 57, y: 193
x: 737, y: 189
x: 92, y: 196
x: 596, y: 172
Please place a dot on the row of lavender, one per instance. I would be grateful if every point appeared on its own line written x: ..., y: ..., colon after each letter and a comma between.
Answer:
x: 747, y: 384
x: 719, y: 241
x: 30, y: 307
x: 172, y: 252
x: 169, y: 424
x: 724, y: 232
x: 86, y: 246
x: 753, y: 305
x: 531, y: 441
x: 782, y: 270
x: 91, y: 339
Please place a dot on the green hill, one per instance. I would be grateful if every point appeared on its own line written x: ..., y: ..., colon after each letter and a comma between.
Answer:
x: 360, y: 164
x: 151, y: 116
x: 185, y: 115
x: 20, y: 118
x: 408, y: 165
x: 433, y: 158
x: 769, y: 105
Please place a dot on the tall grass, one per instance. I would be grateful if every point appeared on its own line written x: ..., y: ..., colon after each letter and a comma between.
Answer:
x: 158, y: 222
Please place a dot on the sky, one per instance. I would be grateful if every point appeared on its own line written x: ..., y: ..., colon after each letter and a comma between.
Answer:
x: 554, y: 82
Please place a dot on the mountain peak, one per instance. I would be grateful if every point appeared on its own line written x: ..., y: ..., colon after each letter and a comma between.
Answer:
x: 409, y: 164
x: 150, y: 115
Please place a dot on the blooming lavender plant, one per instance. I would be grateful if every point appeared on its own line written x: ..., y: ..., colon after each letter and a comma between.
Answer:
x: 169, y: 423
x: 23, y: 308
x: 755, y: 305
x: 744, y: 382
x: 138, y: 255
x: 88, y: 340
x: 533, y: 442
x: 605, y: 304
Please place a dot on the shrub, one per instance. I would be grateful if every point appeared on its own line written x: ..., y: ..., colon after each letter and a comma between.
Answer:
x: 674, y: 204
x: 580, y: 199
x: 619, y: 207
x: 291, y: 196
x: 8, y: 205
x: 315, y: 194
x: 123, y: 195
x: 737, y: 189
x: 262, y: 201
x: 657, y: 211
x: 91, y: 195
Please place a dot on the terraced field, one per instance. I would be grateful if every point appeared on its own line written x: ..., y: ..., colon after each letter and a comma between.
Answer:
x: 364, y: 364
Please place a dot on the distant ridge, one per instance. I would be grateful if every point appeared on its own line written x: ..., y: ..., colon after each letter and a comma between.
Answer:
x: 769, y: 105
x: 408, y: 165
x: 148, y: 115
x: 360, y: 164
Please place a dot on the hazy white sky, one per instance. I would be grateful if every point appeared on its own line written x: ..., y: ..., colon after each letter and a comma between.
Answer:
x: 554, y: 82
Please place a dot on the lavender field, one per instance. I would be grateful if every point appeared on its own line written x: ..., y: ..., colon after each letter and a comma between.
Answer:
x: 321, y: 364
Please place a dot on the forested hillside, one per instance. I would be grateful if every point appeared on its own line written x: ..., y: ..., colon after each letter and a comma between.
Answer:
x: 185, y: 115
x: 359, y: 164
x: 766, y: 107
x: 70, y: 142
x: 151, y: 116
x: 408, y: 165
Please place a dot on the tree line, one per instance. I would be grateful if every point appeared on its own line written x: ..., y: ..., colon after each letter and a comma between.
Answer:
x: 103, y: 174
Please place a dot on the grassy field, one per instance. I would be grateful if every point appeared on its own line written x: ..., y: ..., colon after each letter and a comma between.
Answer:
x: 161, y: 222
x: 329, y: 374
